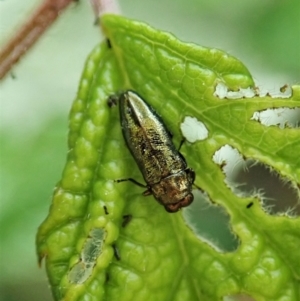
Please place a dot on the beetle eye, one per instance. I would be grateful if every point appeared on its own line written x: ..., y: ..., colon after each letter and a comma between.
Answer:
x: 187, y: 200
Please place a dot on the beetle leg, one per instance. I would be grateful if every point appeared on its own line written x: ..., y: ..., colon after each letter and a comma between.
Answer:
x: 181, y: 143
x: 131, y: 180
x: 147, y: 192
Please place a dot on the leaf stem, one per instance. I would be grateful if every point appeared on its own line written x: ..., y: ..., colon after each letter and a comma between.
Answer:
x: 42, y: 18
x: 30, y: 32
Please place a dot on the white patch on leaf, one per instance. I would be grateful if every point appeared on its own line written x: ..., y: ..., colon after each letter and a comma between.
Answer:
x: 193, y: 129
x: 281, y: 117
x: 92, y: 249
x: 223, y: 92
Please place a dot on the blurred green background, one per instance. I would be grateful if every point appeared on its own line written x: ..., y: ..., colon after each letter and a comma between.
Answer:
x: 35, y: 100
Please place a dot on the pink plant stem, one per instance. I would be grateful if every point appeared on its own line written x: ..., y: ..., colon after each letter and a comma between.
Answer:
x: 101, y: 7
x: 30, y: 32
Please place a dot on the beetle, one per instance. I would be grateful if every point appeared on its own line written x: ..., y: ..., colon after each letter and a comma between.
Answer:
x: 163, y: 167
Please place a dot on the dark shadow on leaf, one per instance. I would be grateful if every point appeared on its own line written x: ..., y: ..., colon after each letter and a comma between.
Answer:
x: 238, y: 298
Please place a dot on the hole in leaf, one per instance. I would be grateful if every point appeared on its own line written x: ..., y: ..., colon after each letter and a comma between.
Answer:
x: 222, y: 92
x: 238, y: 298
x: 276, y: 91
x: 281, y: 117
x: 193, y: 130
x: 211, y: 223
x: 251, y: 178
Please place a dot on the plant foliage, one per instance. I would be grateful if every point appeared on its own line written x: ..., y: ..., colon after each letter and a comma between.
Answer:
x: 91, y: 253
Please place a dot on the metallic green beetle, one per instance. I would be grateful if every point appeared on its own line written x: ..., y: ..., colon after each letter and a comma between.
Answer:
x: 164, y: 169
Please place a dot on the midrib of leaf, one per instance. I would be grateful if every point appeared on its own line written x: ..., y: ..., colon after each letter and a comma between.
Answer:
x: 122, y: 68
x: 175, y: 220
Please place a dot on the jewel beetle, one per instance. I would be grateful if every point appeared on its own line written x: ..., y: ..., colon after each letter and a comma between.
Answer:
x: 163, y: 167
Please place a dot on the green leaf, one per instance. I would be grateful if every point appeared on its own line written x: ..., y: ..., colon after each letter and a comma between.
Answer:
x: 91, y: 254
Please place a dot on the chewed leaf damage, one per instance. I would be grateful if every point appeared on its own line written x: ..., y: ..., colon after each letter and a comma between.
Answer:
x: 281, y: 117
x: 193, y: 130
x: 250, y: 178
x: 223, y: 92
x: 201, y: 217
x: 92, y: 248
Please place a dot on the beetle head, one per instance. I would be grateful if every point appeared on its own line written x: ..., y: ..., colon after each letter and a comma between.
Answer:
x: 186, y: 201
